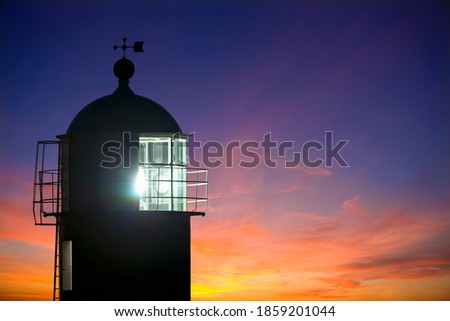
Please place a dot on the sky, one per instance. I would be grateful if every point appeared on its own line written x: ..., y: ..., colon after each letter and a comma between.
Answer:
x: 375, y: 73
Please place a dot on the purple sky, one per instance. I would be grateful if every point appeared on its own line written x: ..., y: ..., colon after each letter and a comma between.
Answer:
x: 376, y: 74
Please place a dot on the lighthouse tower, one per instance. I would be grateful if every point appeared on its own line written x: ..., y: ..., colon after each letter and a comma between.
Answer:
x: 121, y: 195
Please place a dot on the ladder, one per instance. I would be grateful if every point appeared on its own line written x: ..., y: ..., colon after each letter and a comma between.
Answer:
x: 47, y: 197
x: 56, y: 276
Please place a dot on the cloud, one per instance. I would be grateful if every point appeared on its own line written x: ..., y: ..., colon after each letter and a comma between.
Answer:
x: 351, y: 206
x: 26, y: 271
x: 319, y: 171
x: 17, y: 223
x: 26, y: 250
x: 313, y: 256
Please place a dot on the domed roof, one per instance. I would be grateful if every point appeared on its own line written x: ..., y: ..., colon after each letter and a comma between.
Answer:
x: 123, y: 110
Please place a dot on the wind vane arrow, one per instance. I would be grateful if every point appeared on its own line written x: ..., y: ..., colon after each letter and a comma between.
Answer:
x: 137, y: 47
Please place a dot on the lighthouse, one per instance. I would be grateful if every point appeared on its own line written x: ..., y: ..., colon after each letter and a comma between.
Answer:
x: 118, y: 188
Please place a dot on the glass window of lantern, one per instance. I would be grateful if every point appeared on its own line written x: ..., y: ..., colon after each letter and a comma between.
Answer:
x: 161, y: 181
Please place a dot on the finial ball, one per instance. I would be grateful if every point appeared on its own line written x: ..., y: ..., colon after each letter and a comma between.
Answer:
x: 123, y: 69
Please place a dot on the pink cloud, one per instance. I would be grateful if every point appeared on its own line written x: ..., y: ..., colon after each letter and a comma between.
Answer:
x: 319, y: 171
x: 311, y: 256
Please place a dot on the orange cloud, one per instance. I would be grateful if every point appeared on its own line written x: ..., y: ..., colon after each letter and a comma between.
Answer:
x: 307, y: 256
x: 27, y: 273
x: 26, y: 250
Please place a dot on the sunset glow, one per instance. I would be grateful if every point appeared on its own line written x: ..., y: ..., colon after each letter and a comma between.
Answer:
x: 375, y: 74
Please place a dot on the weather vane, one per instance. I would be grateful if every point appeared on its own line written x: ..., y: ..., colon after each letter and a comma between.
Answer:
x: 137, y: 47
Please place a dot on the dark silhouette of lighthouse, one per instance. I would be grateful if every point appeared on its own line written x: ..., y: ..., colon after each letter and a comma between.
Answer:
x: 121, y: 196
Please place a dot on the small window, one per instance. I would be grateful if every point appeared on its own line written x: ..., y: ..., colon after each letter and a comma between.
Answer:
x: 66, y: 265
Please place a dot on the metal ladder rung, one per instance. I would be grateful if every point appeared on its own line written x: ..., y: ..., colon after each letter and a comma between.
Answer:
x: 56, y: 279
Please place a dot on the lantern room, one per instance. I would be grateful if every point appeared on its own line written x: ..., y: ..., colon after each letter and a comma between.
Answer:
x: 164, y: 182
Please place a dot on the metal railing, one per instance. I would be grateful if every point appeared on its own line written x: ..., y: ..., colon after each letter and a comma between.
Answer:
x: 176, y: 188
x: 47, y: 184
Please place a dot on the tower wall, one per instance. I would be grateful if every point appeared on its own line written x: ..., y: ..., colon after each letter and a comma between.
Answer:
x: 118, y: 252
